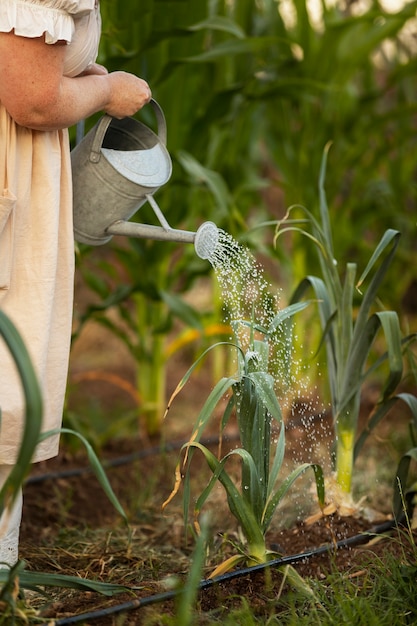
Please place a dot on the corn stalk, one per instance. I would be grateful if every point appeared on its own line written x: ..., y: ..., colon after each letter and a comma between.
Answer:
x: 278, y: 91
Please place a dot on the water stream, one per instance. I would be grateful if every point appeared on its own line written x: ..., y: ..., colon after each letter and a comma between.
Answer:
x: 248, y: 295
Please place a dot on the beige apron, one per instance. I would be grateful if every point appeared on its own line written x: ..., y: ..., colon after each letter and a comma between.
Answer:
x: 37, y: 263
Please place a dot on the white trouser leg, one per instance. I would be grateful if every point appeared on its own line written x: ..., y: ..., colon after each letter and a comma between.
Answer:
x: 9, y: 524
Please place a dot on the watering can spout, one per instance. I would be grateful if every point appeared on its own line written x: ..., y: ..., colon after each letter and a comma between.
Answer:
x: 205, y: 240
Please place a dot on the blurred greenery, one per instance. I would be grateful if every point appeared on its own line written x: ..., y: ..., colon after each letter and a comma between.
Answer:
x: 252, y: 91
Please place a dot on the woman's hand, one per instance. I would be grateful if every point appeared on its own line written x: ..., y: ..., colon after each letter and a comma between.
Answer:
x: 128, y: 94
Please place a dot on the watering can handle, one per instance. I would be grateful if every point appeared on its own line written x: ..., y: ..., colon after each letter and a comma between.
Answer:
x: 105, y: 122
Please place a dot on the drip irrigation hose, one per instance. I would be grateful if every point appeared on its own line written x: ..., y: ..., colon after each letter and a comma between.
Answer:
x: 123, y: 460
x: 139, y: 603
x: 128, y: 458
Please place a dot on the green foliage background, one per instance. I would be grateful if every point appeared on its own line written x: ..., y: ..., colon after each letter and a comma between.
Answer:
x: 251, y: 98
x: 252, y: 92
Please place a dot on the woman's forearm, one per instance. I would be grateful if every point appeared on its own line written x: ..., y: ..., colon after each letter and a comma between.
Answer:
x: 75, y: 99
x: 120, y: 94
x: 37, y: 94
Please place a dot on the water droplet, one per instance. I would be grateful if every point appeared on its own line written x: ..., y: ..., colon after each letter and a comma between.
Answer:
x: 251, y: 306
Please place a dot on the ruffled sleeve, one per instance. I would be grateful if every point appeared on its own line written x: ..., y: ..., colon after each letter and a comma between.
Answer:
x: 33, y: 18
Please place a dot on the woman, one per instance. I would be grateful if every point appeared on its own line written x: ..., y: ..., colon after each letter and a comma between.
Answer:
x: 48, y: 81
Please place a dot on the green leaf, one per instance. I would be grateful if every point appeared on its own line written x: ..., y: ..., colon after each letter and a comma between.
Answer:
x: 321, y: 291
x: 221, y: 24
x: 401, y: 481
x: 324, y: 211
x: 277, y: 461
x: 264, y: 389
x: 38, y: 580
x: 359, y: 352
x: 251, y: 488
x: 188, y: 594
x: 327, y: 314
x: 390, y: 237
x: 285, y: 314
x: 382, y: 409
x: 33, y: 410
x: 232, y: 48
x: 188, y: 373
x: 182, y: 310
x: 95, y: 465
x: 238, y: 505
x: 216, y: 394
x: 275, y: 499
x: 212, y: 179
x: 390, y: 324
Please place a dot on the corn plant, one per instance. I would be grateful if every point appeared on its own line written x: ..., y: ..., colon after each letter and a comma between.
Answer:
x: 255, y: 404
x: 147, y: 303
x: 350, y: 334
x: 340, y: 86
x: 279, y: 89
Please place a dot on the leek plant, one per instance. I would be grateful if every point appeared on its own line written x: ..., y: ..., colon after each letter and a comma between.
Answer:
x: 405, y: 496
x: 351, y: 322
x: 254, y: 402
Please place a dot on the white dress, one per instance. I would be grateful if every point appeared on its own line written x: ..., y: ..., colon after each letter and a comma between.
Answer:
x: 36, y: 235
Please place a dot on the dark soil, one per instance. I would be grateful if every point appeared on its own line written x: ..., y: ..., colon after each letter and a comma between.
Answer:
x: 70, y: 527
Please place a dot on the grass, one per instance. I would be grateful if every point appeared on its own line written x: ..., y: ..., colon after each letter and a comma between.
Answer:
x: 362, y: 597
x: 154, y: 557
x: 369, y: 597
x: 366, y: 596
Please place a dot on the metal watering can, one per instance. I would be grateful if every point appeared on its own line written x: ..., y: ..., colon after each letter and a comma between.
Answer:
x: 116, y: 168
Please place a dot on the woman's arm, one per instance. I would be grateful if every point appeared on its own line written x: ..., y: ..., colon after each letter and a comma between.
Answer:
x: 37, y: 94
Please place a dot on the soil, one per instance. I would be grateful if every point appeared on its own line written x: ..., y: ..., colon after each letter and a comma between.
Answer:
x: 70, y: 527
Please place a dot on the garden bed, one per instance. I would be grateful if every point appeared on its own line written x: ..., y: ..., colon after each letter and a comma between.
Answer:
x: 69, y: 527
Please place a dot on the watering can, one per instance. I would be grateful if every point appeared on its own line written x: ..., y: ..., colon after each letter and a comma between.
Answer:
x: 116, y: 168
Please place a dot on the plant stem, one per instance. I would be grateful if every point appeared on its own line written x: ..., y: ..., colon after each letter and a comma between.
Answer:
x: 344, y: 459
x: 257, y: 553
x: 151, y: 366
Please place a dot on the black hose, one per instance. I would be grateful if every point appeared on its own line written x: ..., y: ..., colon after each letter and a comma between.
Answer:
x: 209, y: 582
x: 119, y: 461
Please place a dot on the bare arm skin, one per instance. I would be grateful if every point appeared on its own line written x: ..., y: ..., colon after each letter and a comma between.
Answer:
x: 37, y: 94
